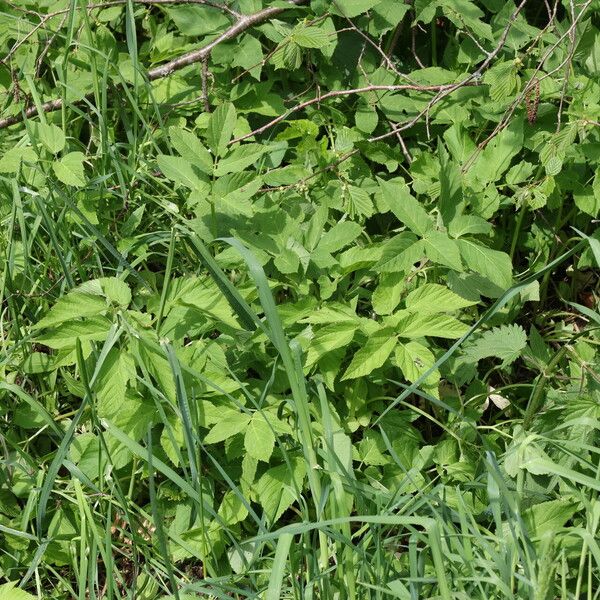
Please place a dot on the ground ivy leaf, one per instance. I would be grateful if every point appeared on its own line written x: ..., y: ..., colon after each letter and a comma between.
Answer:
x: 372, y: 355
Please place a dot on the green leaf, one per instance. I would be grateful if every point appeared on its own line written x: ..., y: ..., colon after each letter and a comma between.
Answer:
x: 491, y: 264
x: 441, y: 249
x: 197, y: 20
x: 372, y: 355
x: 73, y: 305
x: 502, y: 79
x: 232, y: 423
x: 505, y: 342
x: 310, y: 37
x: 259, y: 440
x: 279, y: 487
x: 415, y: 359
x: 240, y: 158
x: 339, y: 236
x: 397, y: 197
x: 10, y: 162
x: 220, y: 128
x: 65, y: 335
x: 435, y: 298
x: 69, y: 169
x: 548, y: 517
x: 328, y: 338
x: 353, y: 8
x: 51, y: 136
x: 421, y: 325
x: 9, y: 591
x: 191, y: 149
x: 182, y: 172
x: 249, y: 56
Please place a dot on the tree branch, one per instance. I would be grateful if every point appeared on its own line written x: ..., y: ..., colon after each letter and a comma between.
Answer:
x: 242, y: 23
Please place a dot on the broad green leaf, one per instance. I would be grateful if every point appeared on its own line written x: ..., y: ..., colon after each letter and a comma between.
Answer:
x: 310, y: 37
x: 339, y: 236
x: 11, y: 160
x: 51, y: 136
x: 353, y: 8
x: 249, y: 56
x: 435, y: 298
x: 399, y: 254
x: 65, y: 335
x: 181, y: 171
x: 10, y: 591
x: 191, y: 149
x: 240, y: 158
x: 502, y: 79
x: 74, y: 305
x: 505, y: 342
x: 232, y: 510
x: 194, y: 20
x: 441, y: 249
x: 396, y: 195
x: 220, y: 128
x: 491, y: 264
x: 421, y: 325
x: 550, y: 516
x: 279, y: 487
x: 328, y: 338
x: 232, y: 423
x: 69, y: 169
x: 386, y: 296
x: 372, y: 355
x: 259, y: 439
x: 415, y: 359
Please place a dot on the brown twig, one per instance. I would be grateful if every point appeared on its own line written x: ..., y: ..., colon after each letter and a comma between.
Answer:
x: 243, y: 23
x: 338, y: 94
x: 204, y: 81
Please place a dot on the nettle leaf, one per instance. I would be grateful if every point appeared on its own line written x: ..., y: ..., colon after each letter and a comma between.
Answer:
x: 372, y: 355
x: 220, y: 127
x: 506, y: 342
x: 259, y: 439
x: 491, y: 264
x: 69, y: 169
x: 434, y: 298
x: 396, y: 195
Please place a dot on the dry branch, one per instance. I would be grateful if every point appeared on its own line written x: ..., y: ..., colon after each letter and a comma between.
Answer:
x: 243, y: 23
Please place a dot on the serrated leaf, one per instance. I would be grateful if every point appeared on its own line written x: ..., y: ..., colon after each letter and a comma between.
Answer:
x: 232, y: 423
x: 191, y: 149
x: 328, y: 338
x: 435, y: 298
x: 10, y: 591
x: 396, y: 195
x: 278, y: 488
x: 69, y: 169
x: 65, y: 335
x: 502, y: 79
x: 73, y: 305
x: 441, y: 249
x: 372, y: 355
x: 353, y: 8
x: 422, y: 325
x: 240, y: 158
x: 414, y: 359
x: 220, y: 127
x: 491, y: 264
x: 310, y: 37
x: 505, y: 342
x: 181, y: 171
x: 51, y: 136
x: 259, y: 440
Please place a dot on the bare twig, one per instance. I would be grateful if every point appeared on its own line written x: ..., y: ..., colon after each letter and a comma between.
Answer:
x: 243, y: 23
x: 340, y: 93
x: 204, y: 80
